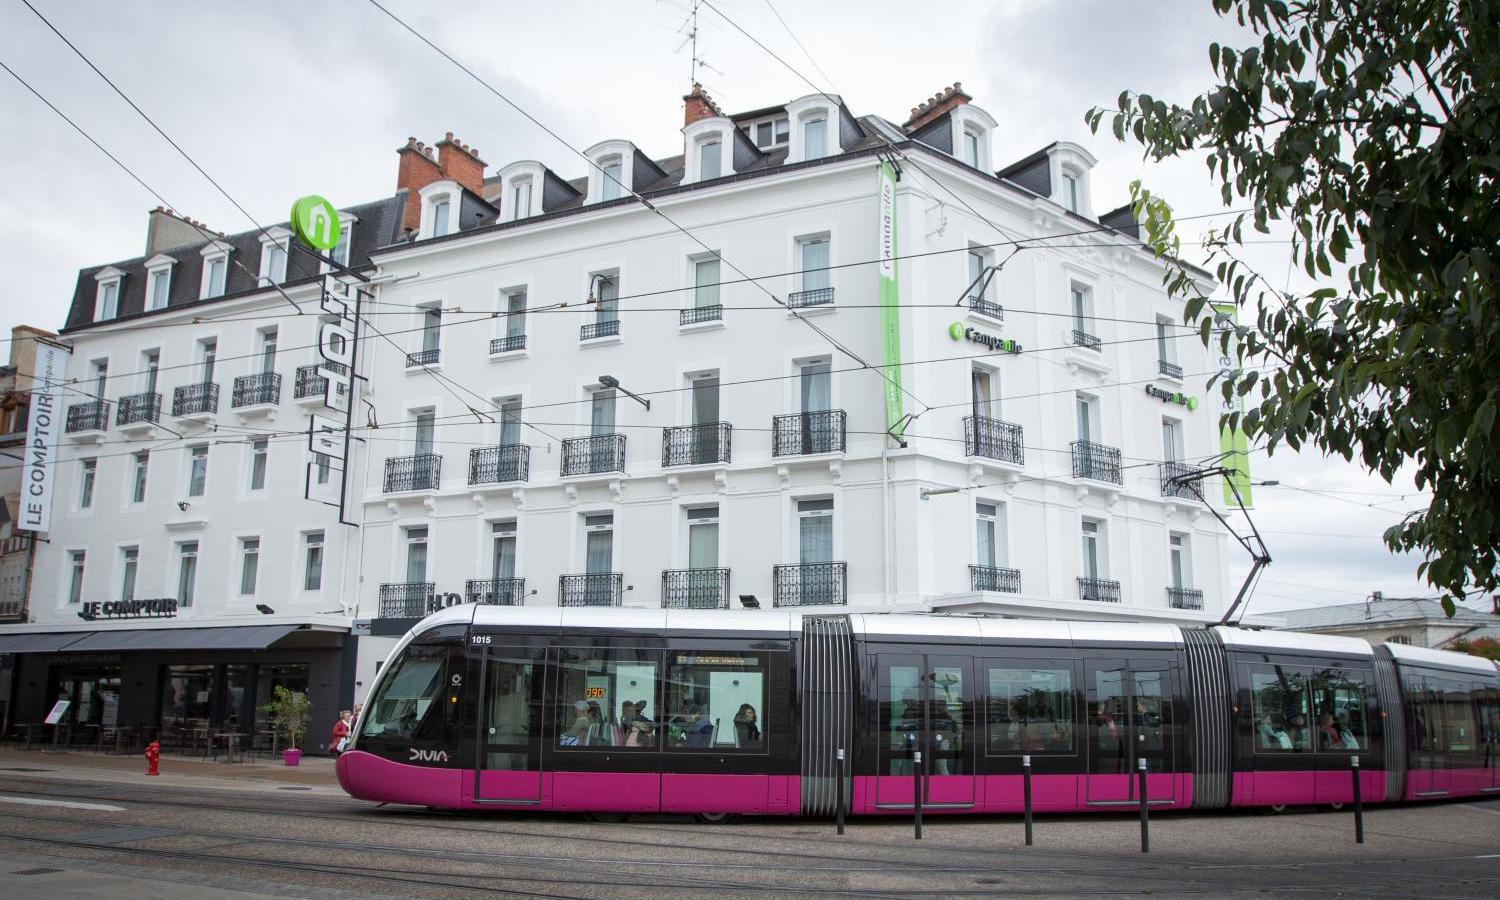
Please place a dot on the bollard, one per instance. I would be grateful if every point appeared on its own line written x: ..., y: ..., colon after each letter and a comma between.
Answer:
x: 1359, y: 804
x: 1026, y: 793
x: 838, y: 803
x: 1145, y: 811
x: 153, y: 757
x: 916, y: 795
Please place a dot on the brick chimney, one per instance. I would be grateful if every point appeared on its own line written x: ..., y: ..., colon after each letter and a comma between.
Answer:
x: 936, y: 105
x: 417, y: 170
x: 461, y: 163
x: 698, y: 105
x: 166, y: 229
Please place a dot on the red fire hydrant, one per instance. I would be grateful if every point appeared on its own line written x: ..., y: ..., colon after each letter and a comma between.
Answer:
x: 153, y: 756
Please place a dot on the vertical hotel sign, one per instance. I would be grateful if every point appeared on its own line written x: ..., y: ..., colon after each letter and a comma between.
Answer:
x: 42, y: 429
x: 1232, y: 441
x: 890, y: 311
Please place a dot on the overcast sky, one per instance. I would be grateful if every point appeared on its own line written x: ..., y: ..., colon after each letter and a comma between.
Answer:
x: 278, y: 99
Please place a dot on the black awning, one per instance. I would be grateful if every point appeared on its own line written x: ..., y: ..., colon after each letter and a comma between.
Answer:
x: 40, y: 643
x: 249, y: 637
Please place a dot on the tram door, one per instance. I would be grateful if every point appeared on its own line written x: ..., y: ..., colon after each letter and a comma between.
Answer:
x: 926, y: 703
x: 508, y: 755
x: 1130, y: 719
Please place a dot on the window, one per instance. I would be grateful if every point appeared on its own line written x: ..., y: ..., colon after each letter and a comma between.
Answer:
x: 520, y: 198
x: 1030, y: 708
x: 608, y: 307
x: 1171, y: 440
x: 107, y: 299
x: 612, y: 178
x: 323, y: 466
x: 815, y: 138
x: 1093, y: 538
x: 312, y: 561
x: 515, y: 314
x: 705, y: 399
x: 208, y: 357
x: 150, y: 370
x: 510, y: 421
x: 816, y: 383
x: 268, y: 340
x: 426, y: 422
x: 812, y: 263
x: 1180, y: 572
x: 503, y: 549
x: 1070, y: 191
x: 769, y: 134
x: 76, y: 560
x: 101, y: 377
x: 710, y: 159
x: 1086, y: 409
x: 88, y: 472
x: 1083, y: 309
x: 432, y: 333
x: 607, y: 699
x: 197, y: 471
x: 989, y: 531
x: 416, y: 555
x: 971, y: 148
x: 129, y: 558
x: 215, y: 269
x: 1280, y: 701
x: 716, y: 701
x: 979, y: 260
x: 703, y: 539
x: 440, y: 216
x: 1166, y: 348
x: 406, y: 694
x: 602, y: 412
x: 984, y: 392
x: 340, y: 251
x: 260, y: 450
x: 139, y: 463
x: 1398, y: 639
x: 598, y: 543
x: 814, y: 532
x: 187, y: 572
x: 273, y: 255
x: 249, y: 565
x: 1339, y: 705
x: 706, y: 282
x: 159, y: 282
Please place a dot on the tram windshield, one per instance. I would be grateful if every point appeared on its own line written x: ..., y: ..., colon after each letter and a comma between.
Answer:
x: 407, y: 694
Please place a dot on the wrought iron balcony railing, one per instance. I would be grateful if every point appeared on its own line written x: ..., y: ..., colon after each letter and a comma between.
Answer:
x: 138, y: 408
x: 407, y: 599
x: 1100, y: 590
x: 196, y: 399
x: 495, y: 591
x: 1191, y: 490
x: 91, y: 416
x: 1169, y: 369
x: 424, y: 357
x: 593, y: 454
x: 1087, y: 341
x: 256, y: 390
x: 698, y: 314
x: 986, y: 308
x: 994, y: 439
x: 811, y: 584
x: 814, y: 297
x: 695, y: 589
x: 508, y: 344
x: 599, y: 329
x: 593, y: 589
x: 692, y: 445
x: 990, y: 578
x: 310, y: 384
x: 1096, y: 462
x: 810, y: 432
x: 498, y: 465
x: 423, y: 472
x: 1184, y: 598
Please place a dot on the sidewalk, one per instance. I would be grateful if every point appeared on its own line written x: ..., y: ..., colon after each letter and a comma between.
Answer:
x: 314, y: 776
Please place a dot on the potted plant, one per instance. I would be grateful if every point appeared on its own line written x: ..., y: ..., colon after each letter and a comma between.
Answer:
x: 288, y: 712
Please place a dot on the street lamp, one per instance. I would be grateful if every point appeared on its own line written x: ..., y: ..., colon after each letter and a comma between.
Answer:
x: 613, y: 383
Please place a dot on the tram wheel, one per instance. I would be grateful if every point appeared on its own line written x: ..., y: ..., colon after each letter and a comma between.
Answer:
x: 607, y: 818
x: 1275, y: 809
x: 715, y: 818
x: 1335, y: 806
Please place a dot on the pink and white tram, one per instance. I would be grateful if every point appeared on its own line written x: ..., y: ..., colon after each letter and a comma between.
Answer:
x: 718, y: 713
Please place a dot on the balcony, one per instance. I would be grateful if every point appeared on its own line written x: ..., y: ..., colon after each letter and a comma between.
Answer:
x: 512, y: 344
x: 593, y: 455
x: 814, y: 297
x: 1087, y: 341
x: 1099, y: 590
x: 811, y: 584
x: 87, y: 421
x: 498, y: 465
x: 407, y: 599
x: 695, y: 445
x: 1192, y: 490
x: 260, y: 389
x: 422, y: 472
x: 495, y: 591
x: 594, y: 589
x: 994, y: 439
x: 695, y: 589
x: 990, y: 578
x: 1184, y: 598
x: 424, y: 358
x: 1169, y: 369
x: 698, y: 315
x: 800, y: 434
x: 10, y: 610
x: 309, y: 385
x: 138, y: 410
x: 984, y: 307
x: 1096, y: 462
x: 196, y: 401
x: 595, y: 330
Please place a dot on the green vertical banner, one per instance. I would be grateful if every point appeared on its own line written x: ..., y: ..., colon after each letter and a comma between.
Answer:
x: 890, y: 303
x: 1232, y: 441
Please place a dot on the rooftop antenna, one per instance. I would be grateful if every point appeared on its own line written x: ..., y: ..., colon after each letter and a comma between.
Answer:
x: 696, y: 62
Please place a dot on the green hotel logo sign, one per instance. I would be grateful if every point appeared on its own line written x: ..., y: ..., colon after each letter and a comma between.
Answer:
x: 959, y: 332
x: 316, y: 223
x: 1176, y: 397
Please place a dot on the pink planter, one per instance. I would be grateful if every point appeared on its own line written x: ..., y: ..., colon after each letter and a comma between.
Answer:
x: 291, y: 757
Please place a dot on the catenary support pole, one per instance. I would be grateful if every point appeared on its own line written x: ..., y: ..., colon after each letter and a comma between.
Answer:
x: 838, y: 803
x: 1026, y: 794
x: 916, y: 788
x: 1145, y: 810
x: 1359, y: 803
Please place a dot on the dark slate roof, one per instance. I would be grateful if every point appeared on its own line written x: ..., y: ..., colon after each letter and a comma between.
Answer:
x: 1391, y: 611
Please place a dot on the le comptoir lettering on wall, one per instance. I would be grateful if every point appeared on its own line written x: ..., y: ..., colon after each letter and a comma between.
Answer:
x: 155, y: 608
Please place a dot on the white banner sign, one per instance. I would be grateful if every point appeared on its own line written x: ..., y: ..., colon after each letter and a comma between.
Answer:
x: 44, y: 427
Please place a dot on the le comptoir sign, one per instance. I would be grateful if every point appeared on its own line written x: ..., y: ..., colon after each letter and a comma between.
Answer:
x: 960, y: 332
x: 157, y: 608
x: 1176, y: 397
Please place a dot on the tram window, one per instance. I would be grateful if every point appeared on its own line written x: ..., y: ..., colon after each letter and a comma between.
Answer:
x: 1424, y: 705
x: 716, y: 701
x: 1339, y: 701
x: 1458, y: 715
x: 1030, y: 710
x: 407, y: 694
x: 1281, y: 710
x: 607, y: 699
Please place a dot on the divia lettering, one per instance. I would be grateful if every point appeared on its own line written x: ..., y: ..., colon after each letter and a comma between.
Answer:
x: 1177, y: 397
x: 430, y: 756
x: 958, y: 332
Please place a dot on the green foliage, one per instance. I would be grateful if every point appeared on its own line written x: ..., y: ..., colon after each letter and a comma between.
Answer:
x: 288, y: 711
x: 1489, y: 648
x: 1373, y: 128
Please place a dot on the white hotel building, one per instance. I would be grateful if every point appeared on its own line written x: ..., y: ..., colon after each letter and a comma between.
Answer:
x: 505, y: 448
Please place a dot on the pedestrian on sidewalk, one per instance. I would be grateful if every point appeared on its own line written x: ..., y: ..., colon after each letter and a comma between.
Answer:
x: 340, y: 738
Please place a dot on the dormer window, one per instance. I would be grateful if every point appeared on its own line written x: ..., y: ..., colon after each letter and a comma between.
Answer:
x: 1070, y: 191
x: 611, y: 170
x: 340, y: 251
x: 521, y: 186
x: 1069, y: 174
x: 971, y: 147
x: 769, y: 133
x: 107, y: 295
x: 274, y: 246
x: 710, y: 149
x: 215, y: 269
x: 972, y: 128
x: 441, y: 212
x: 441, y: 202
x: 520, y: 198
x: 611, y: 177
x: 815, y: 127
x: 711, y: 158
x: 158, y: 281
x: 815, y: 137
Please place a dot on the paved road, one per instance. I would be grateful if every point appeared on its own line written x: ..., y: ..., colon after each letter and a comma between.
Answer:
x: 63, y: 836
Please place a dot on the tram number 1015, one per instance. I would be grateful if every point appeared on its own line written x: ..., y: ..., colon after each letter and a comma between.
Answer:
x: 480, y: 639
